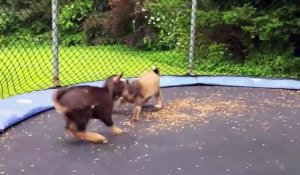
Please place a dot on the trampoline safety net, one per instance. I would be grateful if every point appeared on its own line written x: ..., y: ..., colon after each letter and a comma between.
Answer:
x: 46, y: 44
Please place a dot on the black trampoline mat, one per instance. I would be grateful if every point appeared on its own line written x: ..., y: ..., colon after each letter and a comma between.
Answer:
x: 207, y: 130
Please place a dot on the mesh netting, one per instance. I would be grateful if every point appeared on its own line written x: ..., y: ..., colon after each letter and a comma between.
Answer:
x: 98, y: 38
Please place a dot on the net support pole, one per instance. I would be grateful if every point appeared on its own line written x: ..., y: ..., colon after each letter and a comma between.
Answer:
x: 55, y: 61
x: 192, y: 37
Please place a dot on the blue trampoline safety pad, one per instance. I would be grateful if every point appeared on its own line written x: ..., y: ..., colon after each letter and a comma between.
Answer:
x: 18, y: 108
x: 250, y: 82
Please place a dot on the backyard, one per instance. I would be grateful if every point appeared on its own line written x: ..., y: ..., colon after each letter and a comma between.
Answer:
x: 215, y: 118
x: 26, y: 68
x: 100, y: 38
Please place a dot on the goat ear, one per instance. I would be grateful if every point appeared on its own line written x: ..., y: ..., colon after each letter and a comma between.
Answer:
x: 120, y: 76
x: 117, y: 78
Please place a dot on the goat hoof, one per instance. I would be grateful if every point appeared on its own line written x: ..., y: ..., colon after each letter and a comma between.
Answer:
x: 100, y: 139
x: 158, y: 107
x: 94, y: 137
x: 115, y: 130
x: 118, y: 131
x: 134, y: 120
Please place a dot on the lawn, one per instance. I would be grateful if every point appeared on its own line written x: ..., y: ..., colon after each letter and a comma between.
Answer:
x: 24, y: 68
x: 27, y: 67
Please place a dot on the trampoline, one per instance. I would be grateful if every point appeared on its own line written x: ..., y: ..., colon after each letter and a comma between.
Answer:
x: 207, y: 130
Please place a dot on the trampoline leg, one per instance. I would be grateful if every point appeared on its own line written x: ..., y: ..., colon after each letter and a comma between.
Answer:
x: 115, y: 130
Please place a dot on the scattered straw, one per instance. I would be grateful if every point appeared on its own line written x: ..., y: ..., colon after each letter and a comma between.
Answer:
x: 180, y: 112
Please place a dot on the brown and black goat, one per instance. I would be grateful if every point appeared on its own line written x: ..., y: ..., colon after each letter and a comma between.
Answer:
x: 79, y: 104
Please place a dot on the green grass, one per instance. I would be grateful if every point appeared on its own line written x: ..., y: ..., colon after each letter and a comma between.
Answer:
x: 24, y: 69
x: 259, y: 65
x: 29, y: 68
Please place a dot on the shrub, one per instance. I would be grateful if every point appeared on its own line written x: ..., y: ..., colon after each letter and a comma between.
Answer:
x: 96, y: 31
x: 119, y: 19
x: 73, y: 14
x: 73, y: 39
x: 101, y: 5
x: 172, y: 18
x: 144, y: 38
x: 8, y: 21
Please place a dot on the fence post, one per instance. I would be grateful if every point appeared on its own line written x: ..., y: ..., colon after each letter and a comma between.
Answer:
x: 192, y: 37
x: 55, y: 43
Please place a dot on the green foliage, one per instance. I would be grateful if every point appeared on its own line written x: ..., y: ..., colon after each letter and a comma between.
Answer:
x: 217, y: 51
x: 268, y: 63
x: 38, y: 27
x: 147, y: 43
x: 3, y: 41
x: 7, y: 22
x: 276, y: 62
x: 24, y: 35
x: 273, y: 26
x: 73, y: 39
x: 26, y: 38
x: 268, y: 27
x: 238, y: 14
x: 234, y: 16
x: 172, y: 18
x: 24, y: 21
x: 210, y: 56
x: 208, y: 18
x: 72, y: 14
